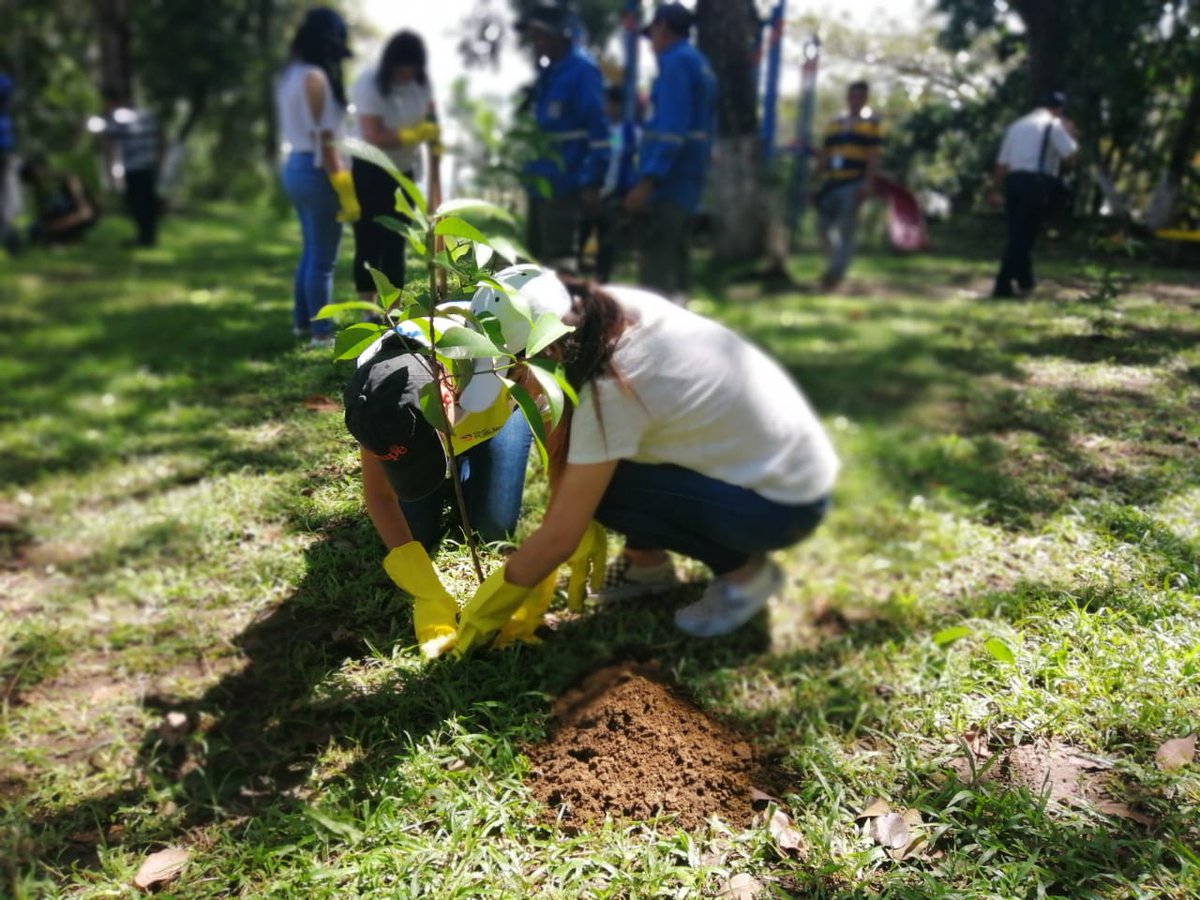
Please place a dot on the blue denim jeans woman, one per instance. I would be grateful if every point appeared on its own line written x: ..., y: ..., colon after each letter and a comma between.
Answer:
x: 493, y: 477
x: 307, y: 187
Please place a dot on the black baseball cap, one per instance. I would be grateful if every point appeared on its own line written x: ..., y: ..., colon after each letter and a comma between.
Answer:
x: 678, y: 17
x: 383, y: 412
x: 1055, y: 100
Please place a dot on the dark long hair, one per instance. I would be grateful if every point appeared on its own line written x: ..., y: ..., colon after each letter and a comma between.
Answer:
x: 405, y: 48
x: 321, y: 41
x: 587, y: 354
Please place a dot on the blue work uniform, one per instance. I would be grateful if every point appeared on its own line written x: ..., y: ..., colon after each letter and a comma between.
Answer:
x: 569, y: 109
x: 677, y: 140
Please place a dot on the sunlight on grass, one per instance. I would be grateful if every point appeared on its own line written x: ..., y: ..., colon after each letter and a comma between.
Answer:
x: 1013, y: 557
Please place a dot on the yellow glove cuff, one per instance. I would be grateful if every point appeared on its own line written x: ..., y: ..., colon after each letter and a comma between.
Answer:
x: 491, y: 607
x: 529, y: 615
x: 410, y: 567
x: 592, y: 553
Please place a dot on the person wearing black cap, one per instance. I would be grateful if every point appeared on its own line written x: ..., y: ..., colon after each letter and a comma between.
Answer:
x: 674, y: 153
x: 310, y: 103
x: 403, y: 459
x: 568, y: 106
x: 1034, y: 147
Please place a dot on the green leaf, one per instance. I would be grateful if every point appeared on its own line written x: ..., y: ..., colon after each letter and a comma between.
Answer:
x: 533, y: 416
x: 950, y: 635
x: 559, y: 373
x: 360, y: 149
x: 999, y: 651
x: 491, y: 327
x: 341, y: 829
x: 415, y: 196
x: 387, y: 291
x: 336, y: 309
x: 483, y: 254
x: 458, y: 342
x: 546, y: 330
x: 551, y: 390
x: 462, y: 204
x: 457, y: 227
x: 509, y: 249
x: 356, y: 338
x: 403, y: 206
x: 430, y: 397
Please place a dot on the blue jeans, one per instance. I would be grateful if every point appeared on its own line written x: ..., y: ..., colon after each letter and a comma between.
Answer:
x: 307, y: 186
x: 671, y: 508
x: 493, y: 476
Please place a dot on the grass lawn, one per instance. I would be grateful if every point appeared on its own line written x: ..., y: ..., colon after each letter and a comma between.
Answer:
x: 993, y: 633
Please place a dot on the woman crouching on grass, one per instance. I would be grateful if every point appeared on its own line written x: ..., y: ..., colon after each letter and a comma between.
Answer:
x: 686, y: 438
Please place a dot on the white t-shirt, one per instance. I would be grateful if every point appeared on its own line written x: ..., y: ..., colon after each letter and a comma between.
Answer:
x: 297, y: 129
x: 1022, y: 147
x: 404, y: 105
x: 701, y: 397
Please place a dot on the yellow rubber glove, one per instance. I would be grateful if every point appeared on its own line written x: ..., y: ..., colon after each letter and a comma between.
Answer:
x: 343, y: 186
x: 434, y: 611
x: 420, y: 133
x: 489, y: 610
x: 592, y: 551
x: 528, y: 617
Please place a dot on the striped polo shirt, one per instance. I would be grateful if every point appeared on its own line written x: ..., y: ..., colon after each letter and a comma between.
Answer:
x: 848, y: 142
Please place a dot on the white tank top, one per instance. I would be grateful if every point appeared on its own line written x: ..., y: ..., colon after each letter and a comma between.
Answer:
x: 298, y: 132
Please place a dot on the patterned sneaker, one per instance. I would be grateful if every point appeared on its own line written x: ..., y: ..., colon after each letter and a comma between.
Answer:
x: 625, y: 581
x: 726, y: 607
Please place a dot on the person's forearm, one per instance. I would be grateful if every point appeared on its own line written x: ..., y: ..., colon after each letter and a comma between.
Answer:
x: 540, y: 554
x: 331, y: 160
x: 388, y: 520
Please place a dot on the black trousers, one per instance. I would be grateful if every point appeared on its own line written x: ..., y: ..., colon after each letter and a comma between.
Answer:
x: 1024, y: 208
x: 141, y: 194
x: 375, y: 244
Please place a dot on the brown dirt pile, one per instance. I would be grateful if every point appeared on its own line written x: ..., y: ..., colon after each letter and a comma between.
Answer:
x: 626, y: 745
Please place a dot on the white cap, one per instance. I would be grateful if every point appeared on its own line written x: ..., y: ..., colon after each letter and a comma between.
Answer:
x: 532, y: 291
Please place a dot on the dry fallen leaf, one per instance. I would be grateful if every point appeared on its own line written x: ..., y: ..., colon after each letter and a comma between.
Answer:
x: 740, y: 887
x: 874, y: 808
x: 160, y: 867
x: 891, y: 831
x: 1176, y: 753
x: 757, y: 797
x: 912, y: 821
x: 787, y: 837
x: 1124, y: 811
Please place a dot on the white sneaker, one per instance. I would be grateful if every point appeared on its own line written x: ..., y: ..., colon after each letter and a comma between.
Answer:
x: 725, y: 606
x: 321, y: 342
x: 625, y: 581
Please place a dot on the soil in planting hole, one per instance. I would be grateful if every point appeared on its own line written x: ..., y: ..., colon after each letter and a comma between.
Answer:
x: 626, y: 744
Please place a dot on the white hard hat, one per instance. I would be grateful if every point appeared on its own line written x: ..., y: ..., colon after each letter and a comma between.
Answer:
x: 532, y: 291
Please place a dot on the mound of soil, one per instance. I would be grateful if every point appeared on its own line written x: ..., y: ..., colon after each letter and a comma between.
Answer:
x: 626, y: 744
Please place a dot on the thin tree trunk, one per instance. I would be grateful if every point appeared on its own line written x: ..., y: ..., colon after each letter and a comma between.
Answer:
x: 116, y: 75
x: 736, y: 196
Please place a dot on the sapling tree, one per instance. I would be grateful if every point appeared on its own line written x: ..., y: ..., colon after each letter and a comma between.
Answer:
x: 458, y: 344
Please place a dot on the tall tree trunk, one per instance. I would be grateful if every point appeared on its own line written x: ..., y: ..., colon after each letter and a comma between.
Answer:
x: 266, y: 46
x: 116, y: 73
x: 725, y: 34
x: 1046, y: 34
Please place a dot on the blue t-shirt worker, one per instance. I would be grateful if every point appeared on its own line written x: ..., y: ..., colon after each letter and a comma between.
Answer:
x: 674, y: 153
x: 568, y: 107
